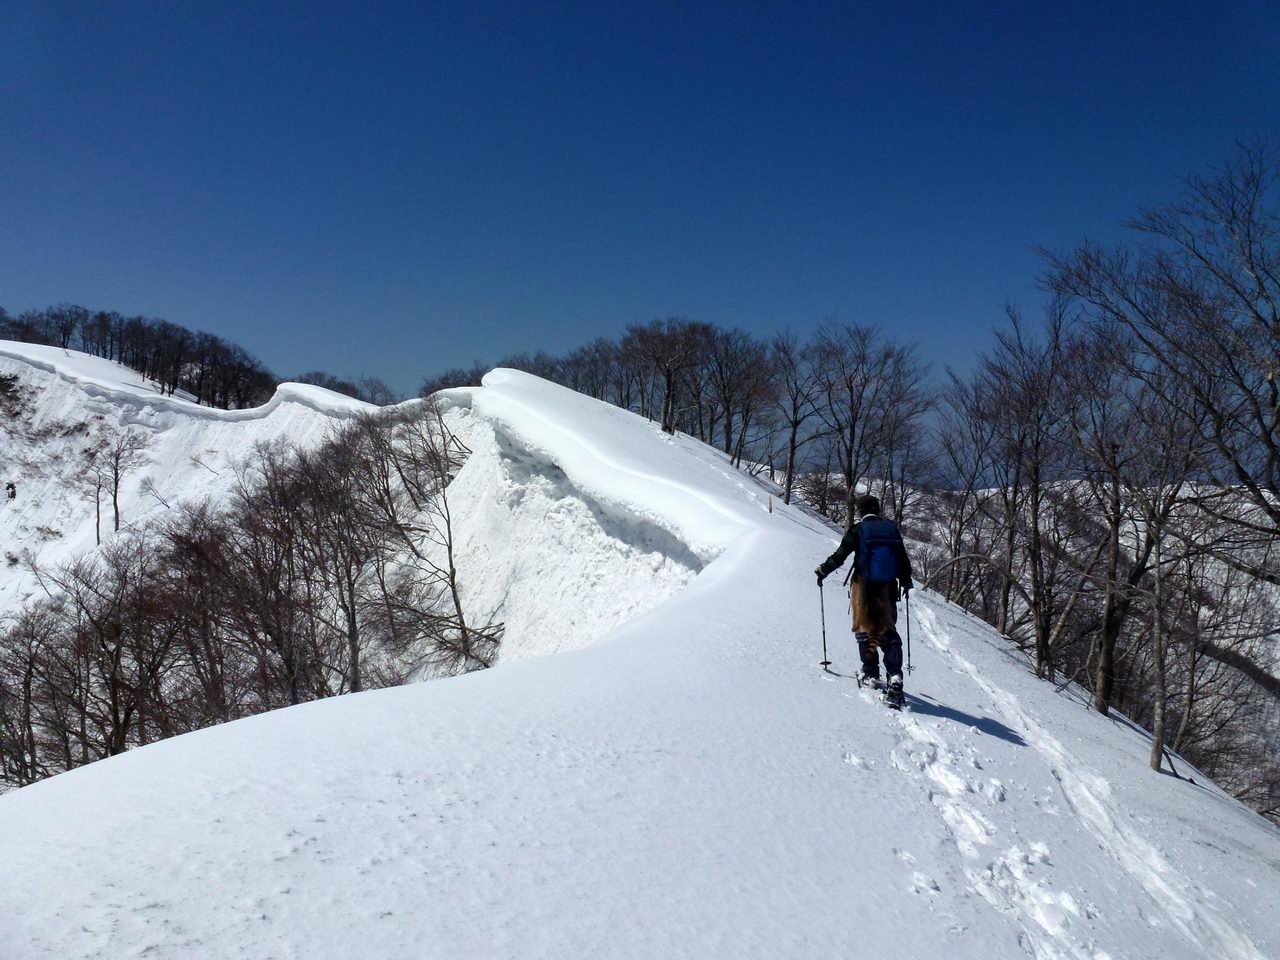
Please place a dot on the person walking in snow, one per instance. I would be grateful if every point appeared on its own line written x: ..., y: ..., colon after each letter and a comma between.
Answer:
x: 881, y: 576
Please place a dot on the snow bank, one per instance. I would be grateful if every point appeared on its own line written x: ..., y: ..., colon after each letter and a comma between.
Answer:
x: 622, y: 462
x: 692, y: 786
x: 541, y: 556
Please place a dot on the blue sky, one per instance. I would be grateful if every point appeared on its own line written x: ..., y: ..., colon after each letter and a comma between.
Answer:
x: 390, y: 190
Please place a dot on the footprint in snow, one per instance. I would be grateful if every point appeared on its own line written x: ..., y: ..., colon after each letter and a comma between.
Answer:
x: 921, y: 883
x: 994, y: 791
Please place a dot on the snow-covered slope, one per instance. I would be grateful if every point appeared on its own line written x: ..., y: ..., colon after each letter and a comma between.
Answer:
x: 71, y: 401
x: 688, y: 785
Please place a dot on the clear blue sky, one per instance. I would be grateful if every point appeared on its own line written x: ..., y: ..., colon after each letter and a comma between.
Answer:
x: 390, y: 190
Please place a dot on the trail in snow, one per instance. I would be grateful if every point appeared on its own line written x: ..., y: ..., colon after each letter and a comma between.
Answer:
x: 968, y: 803
x: 1196, y: 910
x: 978, y: 817
x: 688, y: 785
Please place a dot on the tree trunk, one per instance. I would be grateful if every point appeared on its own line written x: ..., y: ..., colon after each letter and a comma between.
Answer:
x: 1039, y: 589
x: 27, y: 757
x: 669, y: 403
x: 1185, y: 723
x: 353, y: 637
x: 1104, y: 681
x: 1157, y: 636
x: 793, y: 436
x: 1010, y: 538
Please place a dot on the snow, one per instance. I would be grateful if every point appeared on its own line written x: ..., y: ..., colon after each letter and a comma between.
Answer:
x: 191, y: 452
x: 672, y: 777
x: 118, y: 383
x: 524, y: 516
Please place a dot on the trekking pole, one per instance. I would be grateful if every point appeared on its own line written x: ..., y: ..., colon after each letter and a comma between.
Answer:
x: 822, y: 604
x: 909, y: 667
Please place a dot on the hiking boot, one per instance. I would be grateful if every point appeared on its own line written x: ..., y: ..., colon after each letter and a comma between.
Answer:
x: 869, y: 677
x: 893, y: 692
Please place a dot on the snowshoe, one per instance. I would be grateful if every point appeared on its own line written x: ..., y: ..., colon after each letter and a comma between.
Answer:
x: 892, y: 693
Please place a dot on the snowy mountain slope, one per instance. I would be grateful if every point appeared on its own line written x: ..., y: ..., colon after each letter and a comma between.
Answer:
x: 72, y: 401
x: 689, y: 786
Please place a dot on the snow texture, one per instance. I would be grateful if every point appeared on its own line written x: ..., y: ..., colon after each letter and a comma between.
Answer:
x: 72, y: 401
x: 678, y: 780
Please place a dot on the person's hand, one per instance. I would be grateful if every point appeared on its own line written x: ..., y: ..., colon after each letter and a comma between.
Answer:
x: 906, y: 587
x: 820, y: 575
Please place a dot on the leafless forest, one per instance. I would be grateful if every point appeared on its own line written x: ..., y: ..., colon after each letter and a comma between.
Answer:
x: 1102, y: 485
x: 327, y: 571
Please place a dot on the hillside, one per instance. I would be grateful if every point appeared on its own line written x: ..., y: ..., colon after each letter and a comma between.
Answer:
x: 679, y: 779
x: 67, y: 402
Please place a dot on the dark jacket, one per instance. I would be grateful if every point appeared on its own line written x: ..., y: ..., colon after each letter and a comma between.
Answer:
x: 852, y: 544
x: 873, y: 605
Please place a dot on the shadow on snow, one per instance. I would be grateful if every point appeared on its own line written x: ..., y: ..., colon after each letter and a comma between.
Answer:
x: 927, y: 706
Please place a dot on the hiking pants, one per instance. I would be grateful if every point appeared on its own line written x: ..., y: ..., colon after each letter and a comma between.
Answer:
x: 869, y: 647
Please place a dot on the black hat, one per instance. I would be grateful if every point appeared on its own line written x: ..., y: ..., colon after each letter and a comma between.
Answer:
x: 866, y: 505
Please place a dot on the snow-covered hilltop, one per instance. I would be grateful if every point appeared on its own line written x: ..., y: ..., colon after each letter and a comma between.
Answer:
x: 67, y: 403
x: 678, y: 780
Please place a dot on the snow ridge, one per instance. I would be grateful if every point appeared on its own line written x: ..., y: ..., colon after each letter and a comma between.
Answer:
x: 681, y: 780
x: 115, y: 383
x: 598, y: 455
x: 72, y: 401
x: 543, y: 557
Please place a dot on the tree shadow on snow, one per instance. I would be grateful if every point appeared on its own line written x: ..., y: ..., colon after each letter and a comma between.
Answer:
x: 928, y: 707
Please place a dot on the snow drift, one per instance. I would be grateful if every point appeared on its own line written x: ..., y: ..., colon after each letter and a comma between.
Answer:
x: 681, y: 780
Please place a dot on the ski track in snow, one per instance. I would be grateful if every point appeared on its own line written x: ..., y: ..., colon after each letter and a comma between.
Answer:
x: 954, y: 784
x: 683, y: 783
x: 1007, y: 883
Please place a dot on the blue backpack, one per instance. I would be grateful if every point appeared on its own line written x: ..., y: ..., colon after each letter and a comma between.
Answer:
x: 878, y: 559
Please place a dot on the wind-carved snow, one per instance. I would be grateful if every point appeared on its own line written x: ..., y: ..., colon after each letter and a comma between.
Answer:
x: 545, y: 559
x: 688, y: 785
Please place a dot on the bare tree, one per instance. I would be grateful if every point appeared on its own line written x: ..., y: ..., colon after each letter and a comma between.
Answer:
x: 110, y: 457
x: 869, y: 393
x: 669, y: 347
x: 409, y: 457
x: 795, y: 399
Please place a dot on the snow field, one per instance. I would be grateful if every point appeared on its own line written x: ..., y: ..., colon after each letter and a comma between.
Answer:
x: 688, y: 785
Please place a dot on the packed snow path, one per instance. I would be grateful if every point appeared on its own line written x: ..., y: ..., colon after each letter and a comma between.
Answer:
x: 691, y: 785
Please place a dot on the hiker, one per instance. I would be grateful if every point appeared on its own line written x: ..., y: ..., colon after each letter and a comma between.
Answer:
x: 10, y: 490
x: 881, y: 576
